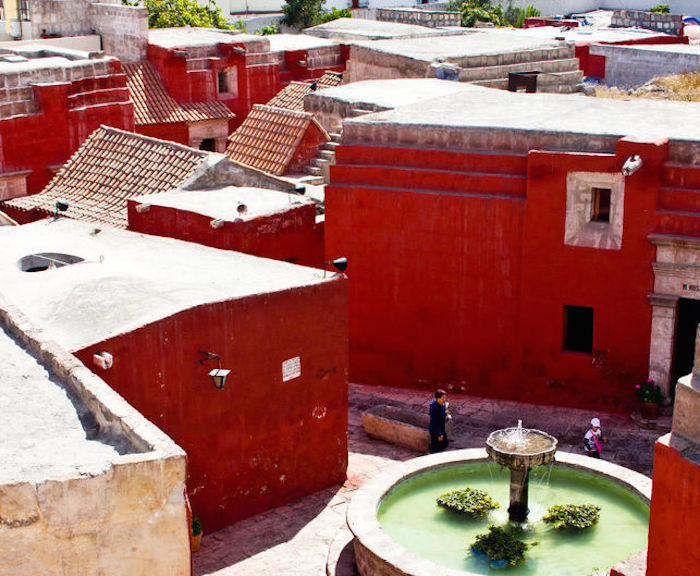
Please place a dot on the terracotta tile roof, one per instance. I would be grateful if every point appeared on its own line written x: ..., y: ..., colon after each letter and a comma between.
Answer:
x: 111, y: 166
x: 201, y: 111
x: 268, y: 138
x: 291, y: 96
x: 152, y: 103
x: 331, y: 79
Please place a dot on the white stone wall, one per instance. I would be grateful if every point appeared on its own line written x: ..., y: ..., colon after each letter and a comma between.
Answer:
x: 132, y: 519
x: 124, y: 30
x: 629, y: 66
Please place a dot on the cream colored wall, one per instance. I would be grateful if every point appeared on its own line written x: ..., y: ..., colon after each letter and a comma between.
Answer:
x: 129, y: 520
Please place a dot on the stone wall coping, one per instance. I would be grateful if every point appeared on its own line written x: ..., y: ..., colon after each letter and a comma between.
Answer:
x: 115, y: 416
x: 362, y: 511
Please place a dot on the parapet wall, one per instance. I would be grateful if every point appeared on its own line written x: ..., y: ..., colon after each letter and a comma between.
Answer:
x: 419, y: 17
x: 124, y: 30
x: 669, y: 23
x: 132, y: 519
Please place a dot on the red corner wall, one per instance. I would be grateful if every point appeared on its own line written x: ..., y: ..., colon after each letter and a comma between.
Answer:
x: 674, y: 522
x: 291, y: 235
x: 260, y: 442
x: 459, y: 273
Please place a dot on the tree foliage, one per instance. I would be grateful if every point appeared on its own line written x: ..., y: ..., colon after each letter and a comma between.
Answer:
x: 474, y: 11
x: 305, y: 13
x: 176, y: 13
x: 302, y: 13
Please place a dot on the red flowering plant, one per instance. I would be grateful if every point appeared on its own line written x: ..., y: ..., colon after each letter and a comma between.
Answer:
x: 649, y: 392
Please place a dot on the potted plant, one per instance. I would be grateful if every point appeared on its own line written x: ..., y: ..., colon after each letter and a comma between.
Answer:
x: 650, y: 396
x: 196, y: 534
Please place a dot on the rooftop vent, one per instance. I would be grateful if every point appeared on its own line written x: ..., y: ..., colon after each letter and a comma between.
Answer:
x: 47, y: 261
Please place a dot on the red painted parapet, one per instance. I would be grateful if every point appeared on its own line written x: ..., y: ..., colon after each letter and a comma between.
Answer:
x: 291, y: 235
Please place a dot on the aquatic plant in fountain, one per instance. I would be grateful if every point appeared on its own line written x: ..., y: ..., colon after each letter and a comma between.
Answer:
x: 577, y: 516
x: 470, y: 501
x: 501, y: 547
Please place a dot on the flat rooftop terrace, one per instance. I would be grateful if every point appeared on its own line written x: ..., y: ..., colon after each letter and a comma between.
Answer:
x: 565, y: 121
x: 222, y: 203
x: 590, y: 34
x: 359, y: 28
x: 390, y: 94
x: 43, y: 437
x: 454, y: 48
x: 285, y: 42
x: 125, y: 280
x: 187, y: 37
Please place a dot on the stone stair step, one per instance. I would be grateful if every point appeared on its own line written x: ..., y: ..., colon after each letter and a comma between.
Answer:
x: 312, y: 180
x: 329, y: 146
x: 313, y: 170
x: 328, y: 155
x: 335, y: 137
x: 493, y: 72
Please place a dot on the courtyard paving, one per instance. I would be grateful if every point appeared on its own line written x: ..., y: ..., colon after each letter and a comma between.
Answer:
x: 309, y: 537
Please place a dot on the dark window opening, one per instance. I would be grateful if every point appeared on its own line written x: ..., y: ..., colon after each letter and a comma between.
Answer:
x: 600, y: 210
x: 208, y: 144
x: 221, y: 81
x: 578, y: 329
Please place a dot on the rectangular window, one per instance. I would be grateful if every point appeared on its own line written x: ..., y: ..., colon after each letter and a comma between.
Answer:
x: 24, y: 14
x: 578, y: 329
x: 221, y: 82
x: 600, y: 204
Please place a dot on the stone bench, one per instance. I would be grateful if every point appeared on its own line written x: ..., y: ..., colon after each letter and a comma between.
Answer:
x: 400, y: 426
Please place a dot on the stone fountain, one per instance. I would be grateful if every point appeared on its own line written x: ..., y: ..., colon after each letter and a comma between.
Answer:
x: 520, y: 450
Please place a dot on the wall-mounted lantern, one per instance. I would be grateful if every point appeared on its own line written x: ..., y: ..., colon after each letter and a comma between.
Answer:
x: 218, y: 375
x: 340, y: 264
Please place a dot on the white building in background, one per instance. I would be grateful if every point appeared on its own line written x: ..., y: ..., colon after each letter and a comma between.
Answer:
x: 253, y: 6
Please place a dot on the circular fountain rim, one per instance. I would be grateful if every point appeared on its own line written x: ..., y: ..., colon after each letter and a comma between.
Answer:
x: 552, y: 448
x: 372, y: 540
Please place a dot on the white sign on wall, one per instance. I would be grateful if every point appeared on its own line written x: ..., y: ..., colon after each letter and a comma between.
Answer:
x: 291, y: 369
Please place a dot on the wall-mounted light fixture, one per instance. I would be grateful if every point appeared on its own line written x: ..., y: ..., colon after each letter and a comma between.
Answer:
x: 218, y: 375
x: 340, y: 264
x: 632, y: 164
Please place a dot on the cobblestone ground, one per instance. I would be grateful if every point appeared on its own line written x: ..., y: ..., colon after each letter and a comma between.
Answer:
x: 296, y: 539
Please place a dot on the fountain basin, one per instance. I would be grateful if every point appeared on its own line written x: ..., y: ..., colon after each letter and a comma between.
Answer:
x: 521, y: 448
x: 377, y: 553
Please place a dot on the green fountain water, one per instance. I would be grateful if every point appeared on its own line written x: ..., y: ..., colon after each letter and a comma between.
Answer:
x: 410, y: 516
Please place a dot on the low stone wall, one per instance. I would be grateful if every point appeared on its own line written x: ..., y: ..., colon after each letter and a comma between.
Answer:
x: 132, y: 519
x: 399, y: 426
x: 669, y: 23
x: 632, y: 66
x: 420, y: 17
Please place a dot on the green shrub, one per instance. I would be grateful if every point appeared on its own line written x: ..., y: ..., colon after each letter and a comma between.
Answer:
x: 271, y: 29
x: 302, y: 13
x: 578, y: 516
x: 468, y: 501
x: 660, y: 9
x: 333, y: 15
x: 196, y: 526
x: 500, y: 545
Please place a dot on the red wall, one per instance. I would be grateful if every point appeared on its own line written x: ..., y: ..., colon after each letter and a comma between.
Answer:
x: 259, y: 442
x: 69, y: 112
x: 459, y: 273
x: 291, y: 235
x: 175, y: 132
x: 674, y: 522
